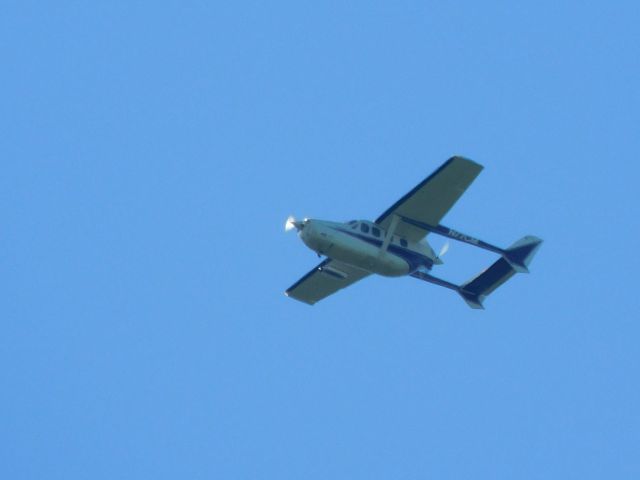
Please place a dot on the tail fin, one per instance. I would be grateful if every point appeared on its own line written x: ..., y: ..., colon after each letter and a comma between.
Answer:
x: 520, y: 254
x: 478, y: 288
x: 516, y: 259
x: 474, y: 300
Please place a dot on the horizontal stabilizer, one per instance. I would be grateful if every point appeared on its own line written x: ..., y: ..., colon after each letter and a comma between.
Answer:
x: 477, y: 289
x: 514, y: 260
x: 520, y: 254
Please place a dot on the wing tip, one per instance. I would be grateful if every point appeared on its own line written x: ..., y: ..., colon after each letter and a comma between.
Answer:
x: 287, y: 294
x: 462, y: 158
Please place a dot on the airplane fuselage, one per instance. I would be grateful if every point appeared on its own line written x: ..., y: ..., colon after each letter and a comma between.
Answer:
x: 360, y: 244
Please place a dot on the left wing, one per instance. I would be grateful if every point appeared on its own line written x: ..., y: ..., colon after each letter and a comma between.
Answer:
x: 432, y: 198
x: 324, y: 280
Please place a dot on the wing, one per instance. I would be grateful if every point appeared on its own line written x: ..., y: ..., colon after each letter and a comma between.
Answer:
x: 432, y: 198
x: 327, y: 278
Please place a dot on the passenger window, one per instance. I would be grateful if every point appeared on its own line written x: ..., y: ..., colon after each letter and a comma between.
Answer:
x: 364, y: 227
x: 376, y: 231
x: 403, y: 242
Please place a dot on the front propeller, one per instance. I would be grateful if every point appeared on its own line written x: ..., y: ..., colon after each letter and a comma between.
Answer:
x: 292, y: 223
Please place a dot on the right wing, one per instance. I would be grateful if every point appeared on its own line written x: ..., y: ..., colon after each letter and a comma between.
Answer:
x: 432, y: 198
x: 327, y: 278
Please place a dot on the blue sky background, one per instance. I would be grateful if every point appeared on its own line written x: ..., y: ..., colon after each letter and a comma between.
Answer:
x: 151, y: 152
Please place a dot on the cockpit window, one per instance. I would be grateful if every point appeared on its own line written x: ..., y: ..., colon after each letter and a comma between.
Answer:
x: 364, y: 227
x: 376, y: 231
x: 353, y: 222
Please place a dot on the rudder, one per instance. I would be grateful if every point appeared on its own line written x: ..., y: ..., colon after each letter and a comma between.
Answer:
x: 520, y: 254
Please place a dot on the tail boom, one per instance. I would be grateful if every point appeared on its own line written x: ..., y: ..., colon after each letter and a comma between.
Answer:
x: 482, y: 285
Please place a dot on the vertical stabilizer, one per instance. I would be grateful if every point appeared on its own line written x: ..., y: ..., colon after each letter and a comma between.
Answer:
x: 516, y: 259
x: 520, y: 254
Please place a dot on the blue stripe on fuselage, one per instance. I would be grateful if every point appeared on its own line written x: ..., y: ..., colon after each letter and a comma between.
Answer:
x: 413, y: 258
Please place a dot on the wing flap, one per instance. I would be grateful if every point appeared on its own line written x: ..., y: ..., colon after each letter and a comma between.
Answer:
x: 325, y: 279
x: 432, y: 198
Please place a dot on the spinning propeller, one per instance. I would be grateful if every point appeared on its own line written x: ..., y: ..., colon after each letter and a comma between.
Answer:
x: 292, y: 223
x: 443, y: 250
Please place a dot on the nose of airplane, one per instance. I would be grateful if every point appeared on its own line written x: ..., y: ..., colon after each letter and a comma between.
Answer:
x: 292, y: 223
x: 304, y: 226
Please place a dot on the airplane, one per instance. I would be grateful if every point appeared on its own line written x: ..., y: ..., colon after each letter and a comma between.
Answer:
x: 394, y: 245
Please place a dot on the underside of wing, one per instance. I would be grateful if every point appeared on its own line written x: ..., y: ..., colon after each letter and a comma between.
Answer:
x: 324, y: 280
x: 432, y: 198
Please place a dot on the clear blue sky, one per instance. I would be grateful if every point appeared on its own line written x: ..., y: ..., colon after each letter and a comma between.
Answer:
x: 150, y: 154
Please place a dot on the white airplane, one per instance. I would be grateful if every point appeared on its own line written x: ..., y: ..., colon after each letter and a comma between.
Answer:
x: 394, y: 245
